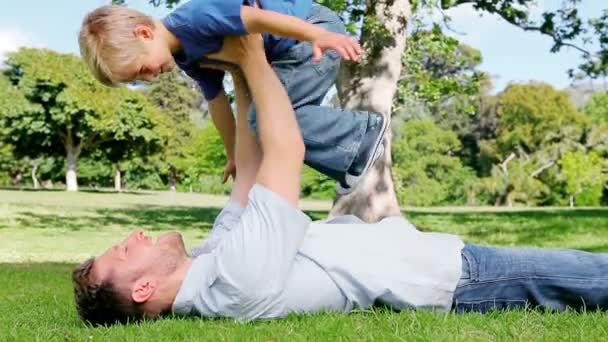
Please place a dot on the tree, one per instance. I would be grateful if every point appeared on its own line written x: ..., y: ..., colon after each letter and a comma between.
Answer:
x: 176, y: 99
x: 531, y: 116
x: 372, y: 84
x: 67, y: 111
x: 12, y: 103
x: 440, y: 72
x: 427, y: 172
x: 582, y: 174
x: 597, y: 108
x: 537, y: 125
x: 510, y: 183
x: 8, y: 164
x: 203, y: 157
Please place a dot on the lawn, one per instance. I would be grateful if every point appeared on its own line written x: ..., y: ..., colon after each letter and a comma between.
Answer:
x: 43, y: 233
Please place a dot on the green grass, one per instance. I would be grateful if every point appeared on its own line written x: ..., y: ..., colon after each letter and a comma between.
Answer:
x: 36, y: 297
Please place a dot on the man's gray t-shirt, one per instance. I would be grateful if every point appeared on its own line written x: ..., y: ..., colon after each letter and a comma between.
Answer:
x: 268, y: 260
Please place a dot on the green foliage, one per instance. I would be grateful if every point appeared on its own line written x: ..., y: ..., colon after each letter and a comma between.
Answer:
x: 533, y: 116
x: 7, y: 163
x: 65, y: 109
x: 204, y: 157
x: 597, y: 108
x: 140, y: 173
x: 425, y: 168
x: 316, y: 185
x: 172, y: 94
x: 96, y: 171
x: 437, y: 68
x: 512, y: 185
x: 207, y: 184
x: 583, y: 176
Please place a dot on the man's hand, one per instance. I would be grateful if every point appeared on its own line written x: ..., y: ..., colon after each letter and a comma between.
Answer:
x: 348, y: 47
x: 237, y: 48
x: 229, y: 171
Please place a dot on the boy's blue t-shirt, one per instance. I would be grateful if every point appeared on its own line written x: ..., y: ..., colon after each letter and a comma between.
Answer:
x: 200, y: 26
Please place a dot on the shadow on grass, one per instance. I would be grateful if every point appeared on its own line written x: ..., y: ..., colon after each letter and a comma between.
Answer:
x: 147, y: 217
x: 29, y: 189
x: 152, y: 218
x: 114, y: 192
x: 85, y: 190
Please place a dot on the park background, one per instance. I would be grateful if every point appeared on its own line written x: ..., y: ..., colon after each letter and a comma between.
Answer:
x: 499, y: 134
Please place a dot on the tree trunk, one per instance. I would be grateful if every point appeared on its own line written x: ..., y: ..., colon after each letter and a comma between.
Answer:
x: 71, y: 180
x: 17, y: 178
x: 34, y: 171
x: 371, y: 85
x: 172, y: 179
x: 72, y: 153
x: 571, y: 201
x: 117, y: 180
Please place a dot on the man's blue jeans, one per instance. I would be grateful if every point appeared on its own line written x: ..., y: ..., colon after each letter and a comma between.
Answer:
x: 332, y: 136
x: 506, y: 278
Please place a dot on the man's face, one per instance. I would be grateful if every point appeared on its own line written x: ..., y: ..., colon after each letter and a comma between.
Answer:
x: 140, y: 256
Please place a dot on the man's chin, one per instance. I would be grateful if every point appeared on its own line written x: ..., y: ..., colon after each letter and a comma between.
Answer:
x: 172, y: 240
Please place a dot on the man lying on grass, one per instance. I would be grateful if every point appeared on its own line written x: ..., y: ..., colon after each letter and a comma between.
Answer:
x: 266, y: 259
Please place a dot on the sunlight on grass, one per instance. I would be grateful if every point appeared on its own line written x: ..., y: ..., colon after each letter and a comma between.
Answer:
x: 36, y: 296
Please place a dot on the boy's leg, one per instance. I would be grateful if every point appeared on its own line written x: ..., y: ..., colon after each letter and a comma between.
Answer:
x: 341, y: 144
x: 507, y: 278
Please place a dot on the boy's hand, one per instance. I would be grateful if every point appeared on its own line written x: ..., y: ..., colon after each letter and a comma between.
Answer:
x: 236, y: 49
x: 348, y: 47
x: 229, y: 171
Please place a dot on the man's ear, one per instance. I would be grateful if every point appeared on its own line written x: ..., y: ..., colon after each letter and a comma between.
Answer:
x: 143, y: 289
x: 143, y: 31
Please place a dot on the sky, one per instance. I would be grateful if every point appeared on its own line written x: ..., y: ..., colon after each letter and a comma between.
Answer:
x: 509, y: 54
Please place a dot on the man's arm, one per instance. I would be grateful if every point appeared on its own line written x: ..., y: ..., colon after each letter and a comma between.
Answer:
x: 280, y: 137
x: 257, y: 20
x: 248, y: 153
x: 248, y: 156
x: 254, y: 259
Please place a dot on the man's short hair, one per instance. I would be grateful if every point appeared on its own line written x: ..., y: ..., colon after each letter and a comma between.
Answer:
x: 107, y: 43
x: 101, y: 303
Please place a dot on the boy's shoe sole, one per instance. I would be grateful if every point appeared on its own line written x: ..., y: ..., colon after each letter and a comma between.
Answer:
x: 352, y: 181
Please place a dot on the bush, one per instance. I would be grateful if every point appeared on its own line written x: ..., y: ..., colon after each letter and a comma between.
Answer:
x: 317, y: 185
x: 207, y: 184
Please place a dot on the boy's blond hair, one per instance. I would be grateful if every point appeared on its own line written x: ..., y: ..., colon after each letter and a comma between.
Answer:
x: 108, y: 43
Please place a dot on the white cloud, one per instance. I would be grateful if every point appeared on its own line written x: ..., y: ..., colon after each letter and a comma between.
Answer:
x: 11, y: 39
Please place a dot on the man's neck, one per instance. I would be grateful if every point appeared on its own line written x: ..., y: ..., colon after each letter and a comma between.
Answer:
x: 172, y: 285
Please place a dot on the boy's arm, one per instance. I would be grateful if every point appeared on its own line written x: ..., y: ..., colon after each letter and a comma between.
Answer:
x: 257, y: 20
x: 223, y: 119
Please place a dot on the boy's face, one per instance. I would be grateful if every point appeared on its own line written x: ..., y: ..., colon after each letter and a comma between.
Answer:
x: 155, y: 59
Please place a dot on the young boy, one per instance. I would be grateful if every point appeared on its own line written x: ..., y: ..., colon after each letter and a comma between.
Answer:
x: 121, y: 45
